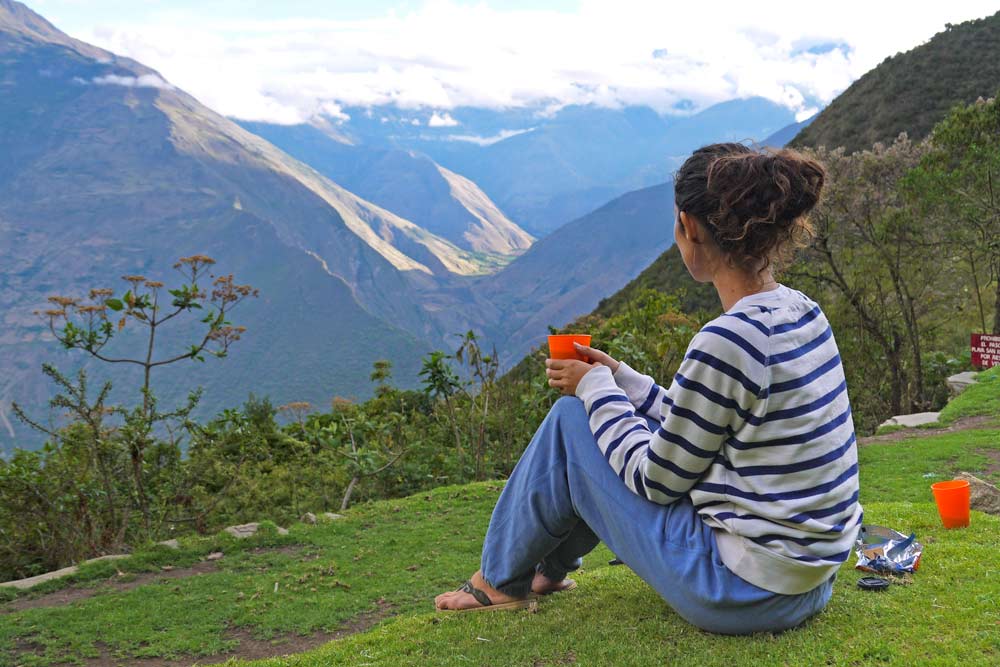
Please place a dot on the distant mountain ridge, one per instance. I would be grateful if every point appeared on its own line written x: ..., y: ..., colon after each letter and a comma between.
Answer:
x: 411, y: 185
x: 567, y: 273
x: 544, y: 167
x: 783, y: 136
x: 911, y: 91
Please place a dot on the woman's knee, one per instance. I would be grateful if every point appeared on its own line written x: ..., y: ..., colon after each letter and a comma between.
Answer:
x: 568, y: 407
x: 566, y: 417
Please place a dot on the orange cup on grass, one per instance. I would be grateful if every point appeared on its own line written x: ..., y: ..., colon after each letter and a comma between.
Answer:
x: 952, y: 500
x: 561, y: 346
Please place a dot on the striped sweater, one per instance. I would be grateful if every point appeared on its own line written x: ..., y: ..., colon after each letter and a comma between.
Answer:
x: 756, y: 428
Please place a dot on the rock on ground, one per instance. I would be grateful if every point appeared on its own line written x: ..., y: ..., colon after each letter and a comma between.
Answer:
x: 249, y: 529
x: 331, y: 516
x: 308, y: 517
x: 57, y: 574
x: 909, y: 421
x: 960, y: 382
x: 983, y: 496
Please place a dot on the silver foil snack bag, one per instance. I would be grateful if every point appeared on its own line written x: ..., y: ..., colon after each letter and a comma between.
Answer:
x: 886, y: 551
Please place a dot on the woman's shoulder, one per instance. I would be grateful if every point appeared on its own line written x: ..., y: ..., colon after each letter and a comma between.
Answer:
x: 755, y: 325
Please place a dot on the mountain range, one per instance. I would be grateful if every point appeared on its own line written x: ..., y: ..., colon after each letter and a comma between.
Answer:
x: 408, y: 183
x: 109, y: 170
x: 547, y: 165
x: 366, y: 242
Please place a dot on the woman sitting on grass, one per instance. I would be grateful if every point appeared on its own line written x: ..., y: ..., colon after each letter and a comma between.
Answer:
x: 734, y: 493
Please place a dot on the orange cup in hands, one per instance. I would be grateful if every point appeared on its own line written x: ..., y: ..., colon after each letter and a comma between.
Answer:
x: 561, y: 346
x: 952, y: 500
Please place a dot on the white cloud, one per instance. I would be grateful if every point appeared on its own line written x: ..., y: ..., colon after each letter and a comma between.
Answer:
x: 144, y: 81
x: 805, y: 113
x: 445, y: 54
x: 333, y: 111
x: 486, y: 141
x: 441, y: 120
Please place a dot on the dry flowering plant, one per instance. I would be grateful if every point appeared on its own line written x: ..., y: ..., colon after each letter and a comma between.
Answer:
x: 91, y: 323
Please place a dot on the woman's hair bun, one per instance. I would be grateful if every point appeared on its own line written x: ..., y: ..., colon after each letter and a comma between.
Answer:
x: 776, y: 187
x: 753, y: 202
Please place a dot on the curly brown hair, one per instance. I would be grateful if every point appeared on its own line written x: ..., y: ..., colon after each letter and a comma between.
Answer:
x: 754, y: 203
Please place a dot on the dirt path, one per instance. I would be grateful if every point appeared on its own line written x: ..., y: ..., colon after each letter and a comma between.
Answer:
x: 993, y: 455
x: 249, y: 647
x: 70, y: 595
x: 964, y: 424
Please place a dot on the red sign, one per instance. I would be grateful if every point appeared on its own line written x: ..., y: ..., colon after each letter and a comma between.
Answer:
x: 985, y: 350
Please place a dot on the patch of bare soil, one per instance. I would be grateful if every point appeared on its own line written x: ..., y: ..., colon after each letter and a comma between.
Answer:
x: 964, y: 424
x: 249, y: 647
x: 569, y: 658
x: 993, y: 455
x: 70, y: 595
x: 288, y: 550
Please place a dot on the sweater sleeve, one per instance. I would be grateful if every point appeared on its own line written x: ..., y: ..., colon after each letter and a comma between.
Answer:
x: 702, y: 407
x: 643, y: 392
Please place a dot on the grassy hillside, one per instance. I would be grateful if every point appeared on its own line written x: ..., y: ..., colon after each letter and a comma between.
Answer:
x: 326, y: 586
x: 982, y: 398
x: 911, y: 91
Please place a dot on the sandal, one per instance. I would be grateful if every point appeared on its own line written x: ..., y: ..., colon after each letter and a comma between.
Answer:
x: 487, y: 604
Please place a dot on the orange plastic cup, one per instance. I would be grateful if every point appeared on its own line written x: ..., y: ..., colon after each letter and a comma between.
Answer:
x: 561, y: 346
x: 952, y: 500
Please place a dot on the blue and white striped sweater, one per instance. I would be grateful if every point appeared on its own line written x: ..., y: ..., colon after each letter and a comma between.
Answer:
x: 756, y: 428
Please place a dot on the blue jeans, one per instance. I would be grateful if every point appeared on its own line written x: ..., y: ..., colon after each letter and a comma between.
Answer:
x: 563, y: 499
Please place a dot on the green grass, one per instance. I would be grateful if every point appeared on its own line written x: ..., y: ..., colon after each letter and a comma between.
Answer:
x: 342, y: 569
x: 948, y: 616
x: 404, y: 552
x: 904, y: 470
x: 982, y: 398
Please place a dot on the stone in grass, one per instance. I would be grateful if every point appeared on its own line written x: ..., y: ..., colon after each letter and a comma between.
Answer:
x: 331, y: 516
x: 170, y: 544
x: 983, y: 496
x: 246, y: 530
x: 25, y: 584
x: 960, y: 382
x: 215, y: 555
x: 910, y: 421
x: 309, y: 517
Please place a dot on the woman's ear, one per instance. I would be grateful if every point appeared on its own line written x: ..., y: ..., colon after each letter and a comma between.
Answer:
x: 692, y: 230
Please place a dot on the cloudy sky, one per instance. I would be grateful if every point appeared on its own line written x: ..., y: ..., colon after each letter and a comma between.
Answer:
x: 285, y: 60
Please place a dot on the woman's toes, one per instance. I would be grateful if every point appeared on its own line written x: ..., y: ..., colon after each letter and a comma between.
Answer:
x: 441, y: 601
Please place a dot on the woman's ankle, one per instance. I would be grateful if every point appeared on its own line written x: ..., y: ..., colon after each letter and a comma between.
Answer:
x: 505, y: 594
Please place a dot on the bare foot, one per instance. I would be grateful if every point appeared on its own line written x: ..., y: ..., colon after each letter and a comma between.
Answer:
x: 462, y: 600
x: 542, y: 585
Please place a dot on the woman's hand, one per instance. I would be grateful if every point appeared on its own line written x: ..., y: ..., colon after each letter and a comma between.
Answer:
x: 593, y: 354
x: 565, y: 374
